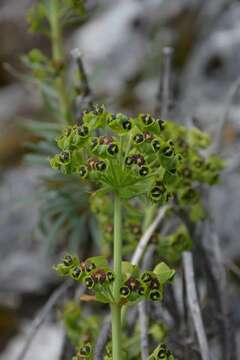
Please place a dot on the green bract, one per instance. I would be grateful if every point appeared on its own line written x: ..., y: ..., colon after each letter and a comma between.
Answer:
x: 134, y: 156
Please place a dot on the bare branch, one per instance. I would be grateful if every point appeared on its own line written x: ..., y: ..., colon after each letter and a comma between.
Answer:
x: 194, y: 305
x: 102, y: 339
x: 142, y: 308
x: 228, y: 102
x: 164, y: 96
x: 218, y: 277
x: 232, y: 267
x: 42, y: 316
x: 147, y: 236
x: 86, y: 89
x: 143, y: 323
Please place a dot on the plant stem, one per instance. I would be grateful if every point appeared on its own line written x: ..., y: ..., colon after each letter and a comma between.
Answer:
x: 58, y: 59
x: 117, y: 267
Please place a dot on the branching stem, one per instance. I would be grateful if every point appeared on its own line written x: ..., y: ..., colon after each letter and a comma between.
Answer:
x: 58, y: 59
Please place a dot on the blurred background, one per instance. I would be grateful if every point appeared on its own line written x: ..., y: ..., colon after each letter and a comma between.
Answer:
x: 121, y: 43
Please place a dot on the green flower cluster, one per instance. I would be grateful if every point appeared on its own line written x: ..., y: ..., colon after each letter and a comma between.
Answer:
x: 161, y: 352
x: 84, y: 353
x: 136, y: 155
x: 96, y: 275
x: 171, y: 246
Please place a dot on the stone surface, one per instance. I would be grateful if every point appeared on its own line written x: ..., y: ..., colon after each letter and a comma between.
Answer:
x: 46, y: 345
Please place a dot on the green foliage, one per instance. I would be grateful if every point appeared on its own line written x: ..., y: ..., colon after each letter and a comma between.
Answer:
x: 67, y: 11
x: 172, y: 246
x: 63, y: 204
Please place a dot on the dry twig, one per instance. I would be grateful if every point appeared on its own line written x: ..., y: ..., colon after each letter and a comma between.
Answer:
x: 42, y: 316
x: 194, y: 305
x: 164, y: 96
x: 147, y: 236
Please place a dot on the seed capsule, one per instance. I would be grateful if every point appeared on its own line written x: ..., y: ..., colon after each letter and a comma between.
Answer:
x: 76, y: 273
x: 89, y: 266
x: 156, y: 192
x: 139, y: 138
x: 141, y: 291
x: 143, y: 171
x: 129, y: 160
x: 156, y: 145
x: 64, y: 156
x: 83, y: 131
x: 68, y: 260
x: 127, y: 125
x: 168, y: 151
x: 161, y: 124
x: 110, y: 276
x: 154, y: 295
x: 98, y: 109
x: 89, y: 282
x: 146, y: 277
x: 113, y: 149
x: 83, y: 171
x: 147, y: 119
x: 85, y: 350
x: 100, y: 165
x: 124, y: 291
x: 161, y: 354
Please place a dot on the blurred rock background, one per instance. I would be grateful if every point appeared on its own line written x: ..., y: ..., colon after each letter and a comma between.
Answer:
x: 121, y: 42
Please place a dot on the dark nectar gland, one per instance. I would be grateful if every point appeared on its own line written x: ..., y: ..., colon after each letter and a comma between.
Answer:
x: 83, y: 131
x: 143, y: 171
x: 139, y: 138
x: 100, y: 165
x: 127, y: 125
x: 76, y: 273
x: 64, y: 156
x: 113, y: 149
x: 68, y: 260
x: 83, y: 171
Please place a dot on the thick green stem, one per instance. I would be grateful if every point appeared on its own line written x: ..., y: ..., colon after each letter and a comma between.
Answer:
x: 117, y: 267
x: 58, y: 59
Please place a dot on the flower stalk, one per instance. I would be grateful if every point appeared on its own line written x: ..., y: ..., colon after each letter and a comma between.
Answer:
x: 117, y: 265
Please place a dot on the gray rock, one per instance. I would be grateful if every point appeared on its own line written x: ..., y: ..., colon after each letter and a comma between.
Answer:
x: 23, y: 266
x: 46, y: 345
